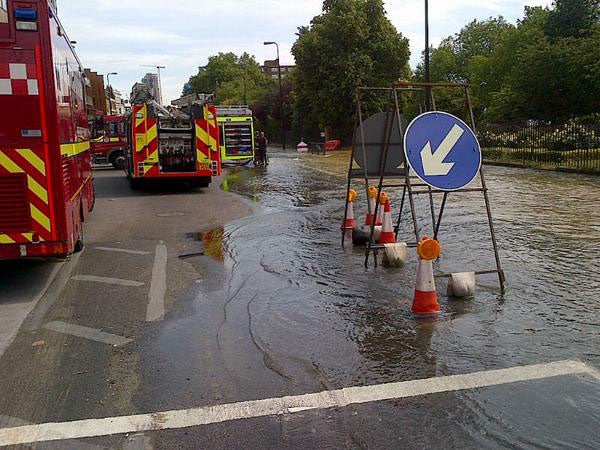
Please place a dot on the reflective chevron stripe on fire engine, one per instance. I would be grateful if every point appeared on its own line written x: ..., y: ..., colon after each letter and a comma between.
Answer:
x: 31, y: 164
x: 74, y: 149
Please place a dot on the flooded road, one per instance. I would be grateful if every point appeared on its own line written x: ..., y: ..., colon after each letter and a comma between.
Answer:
x: 297, y: 313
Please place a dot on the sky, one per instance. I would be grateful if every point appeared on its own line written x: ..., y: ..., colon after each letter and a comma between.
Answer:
x: 123, y: 35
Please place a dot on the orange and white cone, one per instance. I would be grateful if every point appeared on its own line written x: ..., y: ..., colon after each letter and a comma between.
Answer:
x: 349, y: 223
x: 383, y: 198
x: 425, y: 301
x: 371, y: 210
x: 387, y: 235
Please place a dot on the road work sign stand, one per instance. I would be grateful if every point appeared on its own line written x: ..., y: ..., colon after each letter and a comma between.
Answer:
x: 436, y: 154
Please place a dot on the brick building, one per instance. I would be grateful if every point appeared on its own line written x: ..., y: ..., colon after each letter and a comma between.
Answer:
x: 270, y: 68
x: 95, y: 93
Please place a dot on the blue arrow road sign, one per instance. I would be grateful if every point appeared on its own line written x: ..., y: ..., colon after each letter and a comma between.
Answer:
x: 442, y: 150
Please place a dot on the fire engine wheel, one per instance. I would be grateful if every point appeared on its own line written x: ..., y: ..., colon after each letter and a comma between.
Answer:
x: 118, y: 160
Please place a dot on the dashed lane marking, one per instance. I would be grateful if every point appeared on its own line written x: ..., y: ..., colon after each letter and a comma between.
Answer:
x: 272, y: 406
x: 158, y: 286
x: 91, y: 334
x: 107, y: 280
x: 122, y: 250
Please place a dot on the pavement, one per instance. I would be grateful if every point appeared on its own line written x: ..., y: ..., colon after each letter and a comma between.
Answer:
x: 129, y: 345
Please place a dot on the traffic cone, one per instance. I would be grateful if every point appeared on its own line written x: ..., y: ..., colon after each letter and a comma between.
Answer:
x: 349, y: 223
x: 383, y: 198
x: 371, y: 210
x: 387, y: 235
x: 425, y: 300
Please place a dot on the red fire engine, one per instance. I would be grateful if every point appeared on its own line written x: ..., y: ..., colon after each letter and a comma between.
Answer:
x: 178, y: 143
x: 46, y: 188
x: 109, y: 140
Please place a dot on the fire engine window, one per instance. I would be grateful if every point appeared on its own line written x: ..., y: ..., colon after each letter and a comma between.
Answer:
x: 3, y: 11
x: 112, y: 128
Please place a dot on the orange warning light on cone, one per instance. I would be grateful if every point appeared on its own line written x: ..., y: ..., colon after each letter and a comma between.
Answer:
x: 429, y: 249
x: 349, y: 223
x: 425, y: 301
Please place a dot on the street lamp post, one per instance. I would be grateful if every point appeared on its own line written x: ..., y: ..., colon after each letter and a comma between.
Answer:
x: 280, y: 92
x: 110, y: 90
x: 427, y: 74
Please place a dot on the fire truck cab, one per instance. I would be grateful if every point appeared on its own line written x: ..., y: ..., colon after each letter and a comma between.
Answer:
x: 109, y: 140
x: 177, y: 143
x: 46, y: 188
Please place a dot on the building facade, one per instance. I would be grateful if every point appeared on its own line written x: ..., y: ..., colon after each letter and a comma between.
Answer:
x: 151, y: 80
x: 270, y: 69
x: 95, y: 93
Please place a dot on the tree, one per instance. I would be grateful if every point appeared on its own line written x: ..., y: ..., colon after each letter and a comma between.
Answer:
x: 572, y: 18
x: 234, y: 80
x: 351, y: 44
x: 545, y: 67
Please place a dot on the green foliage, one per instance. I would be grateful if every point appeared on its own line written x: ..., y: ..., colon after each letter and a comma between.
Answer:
x: 351, y: 44
x: 546, y: 67
x: 572, y: 18
x: 234, y: 80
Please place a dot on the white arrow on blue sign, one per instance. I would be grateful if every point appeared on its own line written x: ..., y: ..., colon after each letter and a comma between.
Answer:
x: 442, y: 150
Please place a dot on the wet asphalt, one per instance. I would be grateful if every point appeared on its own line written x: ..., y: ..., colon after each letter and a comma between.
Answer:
x: 263, y: 302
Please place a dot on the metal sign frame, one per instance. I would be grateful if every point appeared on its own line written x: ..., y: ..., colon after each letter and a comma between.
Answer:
x: 411, y: 185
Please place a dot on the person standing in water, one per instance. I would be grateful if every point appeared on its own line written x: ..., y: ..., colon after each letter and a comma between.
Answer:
x: 262, y: 143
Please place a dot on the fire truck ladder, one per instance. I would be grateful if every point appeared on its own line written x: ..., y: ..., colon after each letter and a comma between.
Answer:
x: 401, y: 177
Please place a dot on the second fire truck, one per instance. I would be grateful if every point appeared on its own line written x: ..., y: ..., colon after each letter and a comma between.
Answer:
x: 177, y: 143
x: 109, y: 140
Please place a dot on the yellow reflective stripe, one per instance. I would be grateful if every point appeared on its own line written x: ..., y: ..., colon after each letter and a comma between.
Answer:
x: 114, y: 139
x: 222, y: 119
x: 70, y: 150
x: 152, y: 133
x: 140, y: 142
x: 8, y: 164
x: 5, y: 239
x: 142, y: 111
x: 152, y: 158
x: 29, y: 236
x: 40, y: 217
x: 33, y: 159
x: 37, y: 189
x: 202, y: 135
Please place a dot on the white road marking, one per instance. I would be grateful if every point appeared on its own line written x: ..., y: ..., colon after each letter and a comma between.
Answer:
x: 272, y: 406
x: 122, y: 250
x: 107, y: 280
x: 158, y: 285
x: 36, y: 318
x: 91, y: 334
x: 79, y: 445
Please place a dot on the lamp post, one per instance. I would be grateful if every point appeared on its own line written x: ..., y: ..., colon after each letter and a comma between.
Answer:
x: 280, y: 92
x: 427, y: 74
x: 110, y: 90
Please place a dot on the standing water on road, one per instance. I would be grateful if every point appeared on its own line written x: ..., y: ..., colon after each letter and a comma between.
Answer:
x: 300, y: 314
